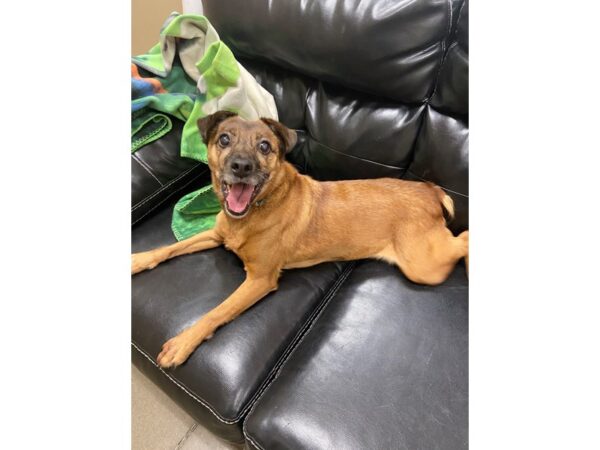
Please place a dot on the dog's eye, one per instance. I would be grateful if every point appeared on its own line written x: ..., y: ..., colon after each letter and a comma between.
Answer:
x: 264, y: 147
x: 223, y: 140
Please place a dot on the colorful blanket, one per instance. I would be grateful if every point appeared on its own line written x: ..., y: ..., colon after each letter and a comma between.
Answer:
x: 188, y: 75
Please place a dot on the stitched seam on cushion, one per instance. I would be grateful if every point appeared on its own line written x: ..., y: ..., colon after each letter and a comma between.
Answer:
x: 164, y: 187
x: 413, y: 146
x: 444, y: 188
x: 147, y: 199
x: 184, y: 388
x: 167, y: 198
x: 305, y: 331
x: 306, y: 110
x: 445, y: 109
x: 454, y: 44
x: 458, y: 18
x: 145, y: 166
x: 253, y: 445
x: 342, y: 153
x: 354, y: 157
x: 347, y: 154
x: 444, y: 52
x: 333, y: 288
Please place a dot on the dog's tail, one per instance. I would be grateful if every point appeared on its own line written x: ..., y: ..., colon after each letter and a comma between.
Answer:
x: 445, y: 200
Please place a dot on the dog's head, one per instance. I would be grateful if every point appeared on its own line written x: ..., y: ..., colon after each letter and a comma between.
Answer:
x: 243, y: 157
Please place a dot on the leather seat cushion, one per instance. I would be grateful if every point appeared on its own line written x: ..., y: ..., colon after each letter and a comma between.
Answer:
x: 222, y: 377
x: 385, y: 365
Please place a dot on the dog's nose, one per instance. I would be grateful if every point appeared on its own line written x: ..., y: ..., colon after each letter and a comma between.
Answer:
x: 242, y: 167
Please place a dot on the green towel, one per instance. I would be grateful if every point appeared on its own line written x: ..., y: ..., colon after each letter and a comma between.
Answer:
x: 190, y: 74
x: 195, y: 211
x: 149, y: 127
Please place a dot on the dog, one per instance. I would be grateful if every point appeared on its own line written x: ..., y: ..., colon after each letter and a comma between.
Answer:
x: 274, y: 218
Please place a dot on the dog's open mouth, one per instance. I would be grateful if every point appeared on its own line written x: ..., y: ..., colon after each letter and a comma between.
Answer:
x: 239, y: 196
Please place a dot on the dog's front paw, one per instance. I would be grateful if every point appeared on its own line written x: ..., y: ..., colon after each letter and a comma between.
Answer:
x: 142, y: 261
x: 175, y: 351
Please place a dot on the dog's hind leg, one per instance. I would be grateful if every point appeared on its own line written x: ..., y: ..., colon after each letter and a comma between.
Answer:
x: 428, y: 258
x: 150, y: 259
x: 177, y: 350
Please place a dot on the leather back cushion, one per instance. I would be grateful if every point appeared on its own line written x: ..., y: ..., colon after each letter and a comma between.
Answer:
x: 388, y: 48
x: 375, y: 88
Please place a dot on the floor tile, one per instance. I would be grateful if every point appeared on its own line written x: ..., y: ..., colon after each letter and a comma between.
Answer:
x: 202, y: 439
x: 157, y: 423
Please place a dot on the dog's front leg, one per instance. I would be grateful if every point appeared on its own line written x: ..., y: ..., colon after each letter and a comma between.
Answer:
x: 150, y: 259
x: 176, y: 350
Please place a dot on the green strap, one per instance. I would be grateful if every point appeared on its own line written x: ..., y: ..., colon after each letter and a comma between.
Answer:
x: 149, y: 128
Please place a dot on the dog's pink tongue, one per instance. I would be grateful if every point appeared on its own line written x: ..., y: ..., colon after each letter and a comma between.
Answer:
x: 239, y: 197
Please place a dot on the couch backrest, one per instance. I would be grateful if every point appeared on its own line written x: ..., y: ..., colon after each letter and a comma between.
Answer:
x: 374, y: 88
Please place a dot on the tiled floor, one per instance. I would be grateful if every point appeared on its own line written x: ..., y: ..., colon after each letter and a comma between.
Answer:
x: 157, y: 423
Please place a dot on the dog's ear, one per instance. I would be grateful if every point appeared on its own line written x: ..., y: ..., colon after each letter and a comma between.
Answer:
x: 207, y: 125
x: 287, y: 138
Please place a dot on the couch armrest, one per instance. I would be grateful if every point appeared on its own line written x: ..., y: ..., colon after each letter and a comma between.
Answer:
x: 158, y: 173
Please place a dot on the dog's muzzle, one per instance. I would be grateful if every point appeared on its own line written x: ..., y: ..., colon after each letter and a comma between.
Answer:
x: 241, y: 183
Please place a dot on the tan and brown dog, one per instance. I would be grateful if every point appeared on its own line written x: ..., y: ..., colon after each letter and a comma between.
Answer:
x: 274, y: 218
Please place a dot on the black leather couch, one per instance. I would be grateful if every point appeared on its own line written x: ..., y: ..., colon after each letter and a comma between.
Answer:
x: 343, y: 355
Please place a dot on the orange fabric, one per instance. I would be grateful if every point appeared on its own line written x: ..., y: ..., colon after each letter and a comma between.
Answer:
x: 153, y: 81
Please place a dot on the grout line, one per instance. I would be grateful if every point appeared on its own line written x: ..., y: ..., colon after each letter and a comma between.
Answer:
x: 186, y: 435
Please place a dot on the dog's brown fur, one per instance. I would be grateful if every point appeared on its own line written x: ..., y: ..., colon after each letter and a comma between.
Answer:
x: 301, y: 222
